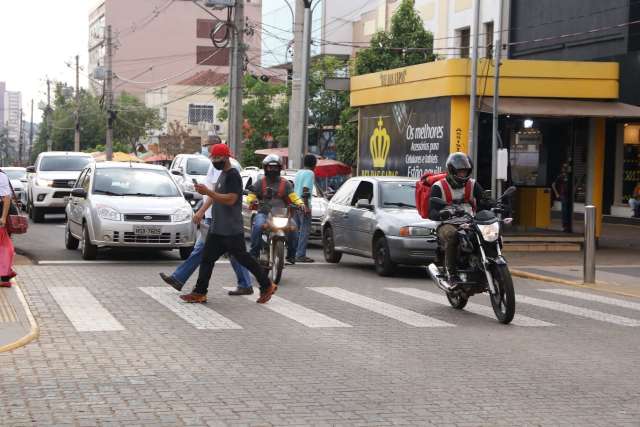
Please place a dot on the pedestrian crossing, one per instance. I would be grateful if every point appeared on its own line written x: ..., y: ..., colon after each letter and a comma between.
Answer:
x: 87, y: 314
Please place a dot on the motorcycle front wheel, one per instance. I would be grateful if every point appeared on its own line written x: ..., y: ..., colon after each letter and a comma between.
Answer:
x: 457, y: 301
x: 504, y: 301
x: 277, y: 263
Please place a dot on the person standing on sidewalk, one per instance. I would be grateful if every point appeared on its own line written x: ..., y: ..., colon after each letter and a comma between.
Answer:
x: 304, y: 184
x: 203, y: 217
x: 634, y: 202
x: 227, y: 232
x: 6, y: 245
x: 561, y: 191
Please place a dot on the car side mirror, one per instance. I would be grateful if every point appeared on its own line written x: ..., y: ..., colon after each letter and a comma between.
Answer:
x: 177, y: 172
x: 79, y: 193
x: 364, y: 204
x: 188, y: 196
x: 31, y: 169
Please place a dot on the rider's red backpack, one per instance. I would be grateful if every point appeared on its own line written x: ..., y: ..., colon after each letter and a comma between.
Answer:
x: 423, y: 191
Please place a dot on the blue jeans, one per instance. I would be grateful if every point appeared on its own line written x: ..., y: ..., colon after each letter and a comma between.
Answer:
x: 303, y: 221
x: 256, y: 234
x: 191, y: 264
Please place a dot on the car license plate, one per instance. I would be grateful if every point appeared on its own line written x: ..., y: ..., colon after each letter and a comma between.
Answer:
x: 147, y: 230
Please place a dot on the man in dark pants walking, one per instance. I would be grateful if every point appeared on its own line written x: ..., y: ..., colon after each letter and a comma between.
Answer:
x: 562, y: 192
x: 226, y: 233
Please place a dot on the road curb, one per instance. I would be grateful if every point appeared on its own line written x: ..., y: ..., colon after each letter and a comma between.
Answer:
x: 549, y: 279
x: 35, y: 329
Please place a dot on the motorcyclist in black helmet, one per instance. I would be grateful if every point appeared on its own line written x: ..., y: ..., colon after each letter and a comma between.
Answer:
x: 457, y: 188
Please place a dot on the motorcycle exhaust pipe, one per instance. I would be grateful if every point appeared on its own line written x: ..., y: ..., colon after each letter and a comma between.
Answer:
x: 434, y: 272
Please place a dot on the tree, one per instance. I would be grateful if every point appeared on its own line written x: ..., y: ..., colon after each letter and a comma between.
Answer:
x: 266, y: 114
x: 133, y: 121
x: 7, y: 149
x: 173, y: 143
x: 408, y: 43
x: 347, y: 137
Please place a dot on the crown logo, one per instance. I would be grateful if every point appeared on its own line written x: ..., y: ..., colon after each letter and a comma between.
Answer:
x: 379, y: 145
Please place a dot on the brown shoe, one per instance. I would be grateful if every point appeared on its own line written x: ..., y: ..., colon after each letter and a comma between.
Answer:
x: 194, y: 298
x: 265, y: 296
x: 241, y: 291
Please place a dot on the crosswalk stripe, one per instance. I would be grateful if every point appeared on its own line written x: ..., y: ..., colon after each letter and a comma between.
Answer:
x: 394, y: 312
x: 198, y: 315
x: 478, y: 309
x: 578, y: 311
x: 592, y: 297
x: 83, y: 310
x: 300, y: 314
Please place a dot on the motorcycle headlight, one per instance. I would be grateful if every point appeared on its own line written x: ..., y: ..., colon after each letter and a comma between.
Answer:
x: 44, y: 182
x: 111, y: 214
x: 280, y: 222
x: 415, y: 232
x: 182, y: 215
x: 490, y: 232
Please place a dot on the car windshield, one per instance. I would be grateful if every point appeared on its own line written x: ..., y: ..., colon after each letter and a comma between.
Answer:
x: 64, y: 163
x: 16, y: 174
x: 134, y: 182
x: 398, y: 195
x: 198, y: 166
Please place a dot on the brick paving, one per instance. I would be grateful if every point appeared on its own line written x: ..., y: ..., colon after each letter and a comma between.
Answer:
x: 161, y: 370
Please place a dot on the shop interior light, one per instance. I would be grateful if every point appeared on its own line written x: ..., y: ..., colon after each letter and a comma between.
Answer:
x: 528, y: 123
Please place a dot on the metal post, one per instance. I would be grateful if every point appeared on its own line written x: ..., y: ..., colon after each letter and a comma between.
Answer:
x: 109, y: 96
x: 49, y: 141
x: 473, y: 146
x: 589, y: 244
x: 20, y: 140
x: 30, y: 134
x: 304, y: 81
x: 497, y: 46
x: 76, y: 144
x: 295, y: 137
x: 236, y: 76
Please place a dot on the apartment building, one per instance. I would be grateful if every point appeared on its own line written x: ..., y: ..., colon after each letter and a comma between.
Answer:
x: 161, y: 42
x: 10, y: 105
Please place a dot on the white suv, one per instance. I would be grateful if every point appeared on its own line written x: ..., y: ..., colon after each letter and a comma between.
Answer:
x: 50, y: 181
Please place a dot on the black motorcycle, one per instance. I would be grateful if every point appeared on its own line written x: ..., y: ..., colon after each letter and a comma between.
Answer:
x: 481, y: 266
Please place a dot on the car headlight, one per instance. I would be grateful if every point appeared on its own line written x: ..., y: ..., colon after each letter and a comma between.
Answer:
x: 415, y: 231
x: 280, y: 222
x: 40, y: 182
x: 182, y: 215
x: 490, y: 232
x: 111, y: 214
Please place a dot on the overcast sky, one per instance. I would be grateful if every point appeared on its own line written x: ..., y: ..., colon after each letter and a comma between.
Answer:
x: 37, y: 37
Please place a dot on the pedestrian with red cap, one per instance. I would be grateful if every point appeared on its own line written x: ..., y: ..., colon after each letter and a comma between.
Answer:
x: 226, y: 234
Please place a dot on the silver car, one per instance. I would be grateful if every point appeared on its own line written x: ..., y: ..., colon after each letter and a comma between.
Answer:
x: 375, y: 217
x: 128, y: 205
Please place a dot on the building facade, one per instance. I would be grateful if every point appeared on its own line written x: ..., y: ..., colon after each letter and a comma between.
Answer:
x: 10, y: 110
x: 159, y: 42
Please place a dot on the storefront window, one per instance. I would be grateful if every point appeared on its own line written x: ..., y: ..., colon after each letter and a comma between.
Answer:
x: 631, y: 171
x: 525, y: 158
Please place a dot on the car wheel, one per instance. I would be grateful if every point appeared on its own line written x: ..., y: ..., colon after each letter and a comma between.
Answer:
x: 329, y: 248
x: 89, y: 251
x: 37, y: 214
x: 185, y: 252
x: 382, y: 258
x: 70, y: 242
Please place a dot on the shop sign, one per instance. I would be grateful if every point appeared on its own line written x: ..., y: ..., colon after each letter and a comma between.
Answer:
x: 404, y: 138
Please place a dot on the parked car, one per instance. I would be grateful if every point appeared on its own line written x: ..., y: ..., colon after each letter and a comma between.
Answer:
x: 376, y: 217
x: 50, y: 181
x: 319, y: 203
x: 18, y: 178
x: 128, y: 205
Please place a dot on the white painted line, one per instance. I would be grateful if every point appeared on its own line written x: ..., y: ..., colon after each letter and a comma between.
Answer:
x: 578, y: 311
x: 197, y: 315
x: 592, y: 297
x: 147, y: 261
x: 481, y: 310
x: 394, y: 312
x: 83, y: 310
x: 300, y: 314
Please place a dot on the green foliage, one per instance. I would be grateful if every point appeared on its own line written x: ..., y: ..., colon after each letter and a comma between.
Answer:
x: 386, y: 49
x: 7, y: 150
x: 266, y: 112
x: 133, y: 121
x: 347, y: 137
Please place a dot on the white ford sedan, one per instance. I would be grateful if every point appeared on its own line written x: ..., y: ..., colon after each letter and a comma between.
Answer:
x: 128, y: 205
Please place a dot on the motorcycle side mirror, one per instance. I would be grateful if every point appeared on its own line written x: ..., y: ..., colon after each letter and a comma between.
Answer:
x: 507, y: 221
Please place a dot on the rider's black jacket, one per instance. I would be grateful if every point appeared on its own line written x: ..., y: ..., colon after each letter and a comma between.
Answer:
x: 436, y: 206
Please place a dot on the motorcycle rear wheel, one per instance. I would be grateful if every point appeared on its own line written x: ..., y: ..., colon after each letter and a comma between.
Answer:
x: 504, y: 302
x: 458, y: 301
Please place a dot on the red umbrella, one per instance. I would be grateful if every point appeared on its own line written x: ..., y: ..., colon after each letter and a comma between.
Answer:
x: 327, y: 168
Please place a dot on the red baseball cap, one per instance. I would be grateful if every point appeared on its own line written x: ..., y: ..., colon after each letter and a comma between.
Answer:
x: 220, y: 150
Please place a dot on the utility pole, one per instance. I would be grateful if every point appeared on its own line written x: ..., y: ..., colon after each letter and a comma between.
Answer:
x: 76, y: 145
x: 236, y: 78
x: 109, y: 96
x: 49, y: 141
x: 304, y: 79
x: 497, y: 48
x: 31, y: 133
x: 473, y: 146
x: 295, y: 127
x: 20, y: 140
